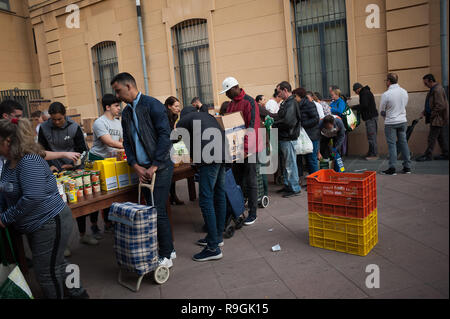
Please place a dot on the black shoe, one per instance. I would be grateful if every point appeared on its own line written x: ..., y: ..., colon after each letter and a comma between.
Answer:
x: 441, y: 158
x: 406, y: 170
x: 424, y: 158
x: 283, y: 190
x: 390, y: 171
x: 291, y: 194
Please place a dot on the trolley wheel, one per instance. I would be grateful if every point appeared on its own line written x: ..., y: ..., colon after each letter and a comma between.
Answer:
x: 229, y: 232
x: 264, y: 202
x: 239, y: 222
x: 161, y: 274
x: 280, y: 180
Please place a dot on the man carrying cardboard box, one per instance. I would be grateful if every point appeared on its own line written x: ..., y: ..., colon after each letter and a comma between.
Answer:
x: 146, y: 139
x: 241, y: 102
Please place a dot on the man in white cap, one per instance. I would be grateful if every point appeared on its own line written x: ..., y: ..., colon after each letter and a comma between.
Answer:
x: 241, y: 102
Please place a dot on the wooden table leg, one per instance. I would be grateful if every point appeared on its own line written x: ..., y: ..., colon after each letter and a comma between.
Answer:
x: 191, y: 188
x: 169, y: 214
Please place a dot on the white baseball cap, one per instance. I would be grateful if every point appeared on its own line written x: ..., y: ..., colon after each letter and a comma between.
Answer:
x: 228, y: 83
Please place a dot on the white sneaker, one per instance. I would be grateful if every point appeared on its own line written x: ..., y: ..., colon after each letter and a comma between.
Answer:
x: 67, y: 252
x: 163, y: 261
x: 88, y: 240
x: 173, y: 255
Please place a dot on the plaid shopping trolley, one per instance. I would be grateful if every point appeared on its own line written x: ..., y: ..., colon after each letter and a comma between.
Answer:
x: 135, y: 239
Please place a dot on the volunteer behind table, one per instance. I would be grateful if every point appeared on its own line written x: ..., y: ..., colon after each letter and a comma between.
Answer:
x: 61, y: 134
x: 38, y: 212
x: 108, y: 137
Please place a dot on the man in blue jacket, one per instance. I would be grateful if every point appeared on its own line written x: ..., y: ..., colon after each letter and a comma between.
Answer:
x: 146, y: 140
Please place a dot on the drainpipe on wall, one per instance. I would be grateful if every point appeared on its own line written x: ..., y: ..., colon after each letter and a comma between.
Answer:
x: 444, y: 48
x: 141, y: 42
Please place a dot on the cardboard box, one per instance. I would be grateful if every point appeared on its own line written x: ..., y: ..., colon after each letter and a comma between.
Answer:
x: 234, y: 126
x: 108, y: 174
x: 134, y: 179
x: 123, y: 174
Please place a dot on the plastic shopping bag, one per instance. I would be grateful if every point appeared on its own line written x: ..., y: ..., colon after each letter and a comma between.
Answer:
x: 303, y: 145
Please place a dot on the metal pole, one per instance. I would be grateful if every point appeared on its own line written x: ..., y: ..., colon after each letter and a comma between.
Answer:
x: 141, y: 42
x: 444, y: 48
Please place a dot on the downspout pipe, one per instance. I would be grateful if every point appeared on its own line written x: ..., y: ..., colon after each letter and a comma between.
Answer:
x: 444, y: 47
x: 141, y: 43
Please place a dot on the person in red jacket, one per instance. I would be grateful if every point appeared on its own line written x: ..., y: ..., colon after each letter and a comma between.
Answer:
x: 241, y: 102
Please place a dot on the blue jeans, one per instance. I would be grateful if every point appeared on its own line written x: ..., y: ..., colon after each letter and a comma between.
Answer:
x: 393, y: 133
x: 160, y: 195
x: 290, y: 166
x: 212, y: 202
x: 311, y: 160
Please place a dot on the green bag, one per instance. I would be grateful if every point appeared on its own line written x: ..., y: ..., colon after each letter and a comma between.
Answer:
x: 12, y: 282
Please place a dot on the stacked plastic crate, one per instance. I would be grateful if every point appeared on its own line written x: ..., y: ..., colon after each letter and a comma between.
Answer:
x: 342, y: 211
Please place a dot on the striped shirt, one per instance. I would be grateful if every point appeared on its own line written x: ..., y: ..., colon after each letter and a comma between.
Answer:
x: 35, y: 198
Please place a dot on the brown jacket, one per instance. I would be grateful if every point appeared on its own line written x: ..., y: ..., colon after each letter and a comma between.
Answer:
x: 439, y: 106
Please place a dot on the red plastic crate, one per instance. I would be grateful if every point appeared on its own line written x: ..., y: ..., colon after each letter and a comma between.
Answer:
x: 342, y: 194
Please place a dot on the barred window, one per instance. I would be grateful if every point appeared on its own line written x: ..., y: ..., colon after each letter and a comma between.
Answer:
x: 104, y: 57
x: 192, y: 64
x: 321, y: 45
x: 4, y: 5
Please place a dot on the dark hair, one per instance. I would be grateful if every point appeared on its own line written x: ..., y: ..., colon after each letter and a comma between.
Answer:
x: 285, y: 85
x: 57, y: 107
x: 259, y: 98
x: 329, y: 119
x: 430, y: 77
x: 318, y: 95
x: 393, y: 78
x: 195, y: 99
x: 8, y: 106
x: 108, y: 100
x: 170, y: 101
x: 300, y: 92
x: 275, y: 93
x: 124, y: 78
x: 36, y: 114
x: 223, y: 108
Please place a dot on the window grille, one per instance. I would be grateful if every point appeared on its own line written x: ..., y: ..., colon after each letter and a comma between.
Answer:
x: 4, y: 5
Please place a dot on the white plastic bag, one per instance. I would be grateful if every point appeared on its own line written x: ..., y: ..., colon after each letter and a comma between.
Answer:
x: 303, y: 144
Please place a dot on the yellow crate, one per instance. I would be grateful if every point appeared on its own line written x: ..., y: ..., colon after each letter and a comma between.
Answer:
x: 348, y: 235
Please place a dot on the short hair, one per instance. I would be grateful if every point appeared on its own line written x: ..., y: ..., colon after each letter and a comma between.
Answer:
x: 429, y: 77
x: 223, y: 108
x: 170, y: 101
x: 109, y: 99
x: 195, y: 99
x: 57, y: 107
x: 36, y: 114
x: 318, y: 95
x: 124, y: 78
x: 8, y: 106
x: 299, y: 92
x: 393, y: 78
x: 275, y: 93
x: 337, y: 92
x: 259, y: 98
x: 329, y: 119
x: 285, y: 86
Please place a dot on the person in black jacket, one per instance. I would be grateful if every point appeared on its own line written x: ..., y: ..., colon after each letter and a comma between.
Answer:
x: 288, y: 124
x: 211, y: 170
x: 310, y: 122
x: 369, y: 113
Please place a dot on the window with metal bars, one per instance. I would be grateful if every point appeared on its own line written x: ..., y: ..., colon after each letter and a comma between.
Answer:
x: 321, y: 45
x: 192, y: 63
x: 4, y: 5
x: 104, y: 57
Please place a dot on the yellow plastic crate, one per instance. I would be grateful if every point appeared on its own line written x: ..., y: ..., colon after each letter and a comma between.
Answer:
x: 348, y: 235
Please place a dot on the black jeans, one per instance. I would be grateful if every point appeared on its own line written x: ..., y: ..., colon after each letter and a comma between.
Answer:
x: 247, y: 171
x: 81, y: 221
x: 160, y: 195
x: 47, y: 246
x: 440, y: 134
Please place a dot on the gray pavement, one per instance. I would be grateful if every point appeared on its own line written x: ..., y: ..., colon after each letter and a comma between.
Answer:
x: 412, y: 253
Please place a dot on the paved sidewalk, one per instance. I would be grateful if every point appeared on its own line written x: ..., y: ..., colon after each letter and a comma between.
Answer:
x: 412, y: 252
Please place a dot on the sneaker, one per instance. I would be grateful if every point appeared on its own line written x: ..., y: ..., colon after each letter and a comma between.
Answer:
x: 96, y: 232
x: 202, y: 242
x: 406, y: 170
x: 173, y: 254
x: 390, y: 171
x: 441, y: 158
x: 283, y: 190
x: 250, y: 220
x: 207, y: 254
x: 88, y: 240
x: 291, y: 194
x: 424, y: 158
x: 67, y: 252
x: 163, y: 261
